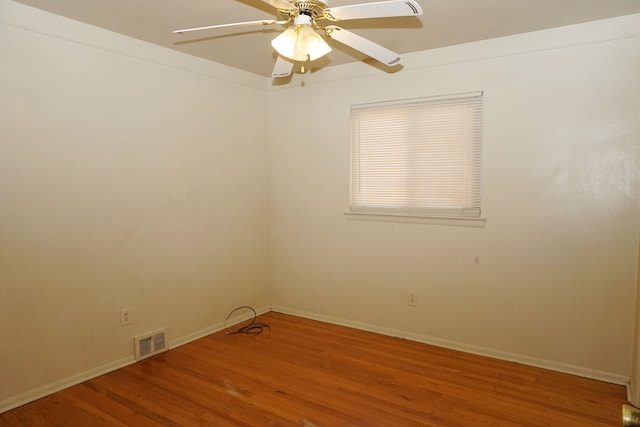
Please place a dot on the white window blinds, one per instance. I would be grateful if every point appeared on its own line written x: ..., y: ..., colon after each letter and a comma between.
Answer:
x: 420, y: 157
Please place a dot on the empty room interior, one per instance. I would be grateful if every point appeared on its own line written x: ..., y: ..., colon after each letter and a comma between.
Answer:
x: 147, y: 187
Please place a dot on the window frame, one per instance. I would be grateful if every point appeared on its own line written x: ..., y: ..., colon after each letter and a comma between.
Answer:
x: 467, y: 110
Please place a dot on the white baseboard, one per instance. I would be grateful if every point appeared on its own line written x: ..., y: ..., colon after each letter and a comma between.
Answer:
x: 46, y: 390
x: 40, y: 392
x: 468, y: 348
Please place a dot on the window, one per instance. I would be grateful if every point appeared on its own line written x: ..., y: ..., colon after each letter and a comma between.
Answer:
x: 419, y: 157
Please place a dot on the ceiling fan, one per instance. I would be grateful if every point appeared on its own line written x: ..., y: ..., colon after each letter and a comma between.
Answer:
x: 303, y: 42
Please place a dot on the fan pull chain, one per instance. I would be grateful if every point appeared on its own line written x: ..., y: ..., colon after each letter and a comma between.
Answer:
x: 302, y: 67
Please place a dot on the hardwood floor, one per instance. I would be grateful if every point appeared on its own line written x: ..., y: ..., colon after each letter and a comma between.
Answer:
x: 306, y: 373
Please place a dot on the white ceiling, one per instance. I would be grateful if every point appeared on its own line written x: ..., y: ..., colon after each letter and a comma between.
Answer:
x: 444, y: 23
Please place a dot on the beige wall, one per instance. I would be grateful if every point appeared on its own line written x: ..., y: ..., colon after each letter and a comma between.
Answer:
x: 634, y: 383
x: 551, y: 278
x: 128, y: 178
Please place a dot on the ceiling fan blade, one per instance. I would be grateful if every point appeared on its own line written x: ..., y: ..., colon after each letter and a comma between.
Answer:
x: 363, y: 45
x: 235, y: 24
x: 382, y: 9
x: 282, y: 68
x: 280, y: 4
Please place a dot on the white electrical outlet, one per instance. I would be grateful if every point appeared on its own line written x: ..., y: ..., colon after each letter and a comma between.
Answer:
x: 413, y: 299
x: 125, y: 316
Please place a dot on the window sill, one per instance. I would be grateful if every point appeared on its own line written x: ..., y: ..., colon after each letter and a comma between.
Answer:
x: 435, y: 220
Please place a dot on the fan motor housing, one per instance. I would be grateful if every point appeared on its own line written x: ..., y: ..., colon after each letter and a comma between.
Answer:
x: 311, y: 8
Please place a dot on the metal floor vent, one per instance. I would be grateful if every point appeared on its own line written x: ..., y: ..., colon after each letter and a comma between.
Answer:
x: 150, y: 344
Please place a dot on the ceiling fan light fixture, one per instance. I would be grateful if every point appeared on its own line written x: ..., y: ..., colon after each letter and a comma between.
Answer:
x: 305, y: 39
x: 301, y: 42
x: 285, y: 43
x: 310, y: 43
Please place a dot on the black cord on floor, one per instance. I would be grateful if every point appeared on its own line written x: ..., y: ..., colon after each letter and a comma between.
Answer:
x: 253, y: 328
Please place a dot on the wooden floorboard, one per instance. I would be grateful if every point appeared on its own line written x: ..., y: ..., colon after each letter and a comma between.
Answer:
x: 301, y: 372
